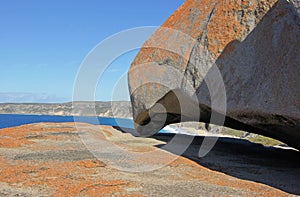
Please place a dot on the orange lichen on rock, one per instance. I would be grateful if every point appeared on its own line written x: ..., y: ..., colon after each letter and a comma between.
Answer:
x: 90, y: 164
x: 49, y: 176
x: 53, y: 171
x: 233, y: 47
x: 25, y: 134
x: 233, y: 21
x: 61, y: 179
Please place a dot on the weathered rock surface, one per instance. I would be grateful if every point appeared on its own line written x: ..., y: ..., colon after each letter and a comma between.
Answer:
x: 255, y: 46
x: 50, y: 159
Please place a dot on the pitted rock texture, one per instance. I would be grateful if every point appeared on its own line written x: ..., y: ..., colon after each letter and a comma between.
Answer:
x: 253, y: 45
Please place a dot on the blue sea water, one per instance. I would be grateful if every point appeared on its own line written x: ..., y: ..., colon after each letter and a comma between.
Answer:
x: 13, y: 120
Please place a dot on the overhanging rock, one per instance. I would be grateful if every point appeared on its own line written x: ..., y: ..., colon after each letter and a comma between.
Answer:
x: 239, y: 59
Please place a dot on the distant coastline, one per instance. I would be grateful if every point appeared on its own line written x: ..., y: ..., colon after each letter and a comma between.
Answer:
x: 120, y: 109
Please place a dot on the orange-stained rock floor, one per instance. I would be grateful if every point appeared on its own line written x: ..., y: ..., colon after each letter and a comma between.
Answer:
x: 51, y: 159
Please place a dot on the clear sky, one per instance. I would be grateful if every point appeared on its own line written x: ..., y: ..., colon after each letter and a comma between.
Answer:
x: 43, y: 43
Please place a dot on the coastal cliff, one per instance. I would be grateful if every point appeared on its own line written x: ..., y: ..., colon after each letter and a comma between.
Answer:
x: 120, y: 109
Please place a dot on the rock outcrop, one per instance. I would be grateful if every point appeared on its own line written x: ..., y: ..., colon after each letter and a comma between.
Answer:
x: 237, y: 59
x: 50, y: 159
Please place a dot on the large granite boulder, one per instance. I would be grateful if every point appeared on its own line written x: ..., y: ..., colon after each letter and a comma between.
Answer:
x: 239, y: 59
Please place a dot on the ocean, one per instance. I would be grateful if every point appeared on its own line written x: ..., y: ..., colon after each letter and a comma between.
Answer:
x: 13, y: 120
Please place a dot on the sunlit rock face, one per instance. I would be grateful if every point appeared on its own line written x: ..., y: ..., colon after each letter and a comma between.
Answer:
x: 239, y: 59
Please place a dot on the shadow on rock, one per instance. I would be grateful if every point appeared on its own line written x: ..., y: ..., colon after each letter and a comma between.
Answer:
x: 276, y: 167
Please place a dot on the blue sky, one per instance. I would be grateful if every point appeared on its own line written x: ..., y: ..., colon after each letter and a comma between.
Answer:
x: 43, y: 43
